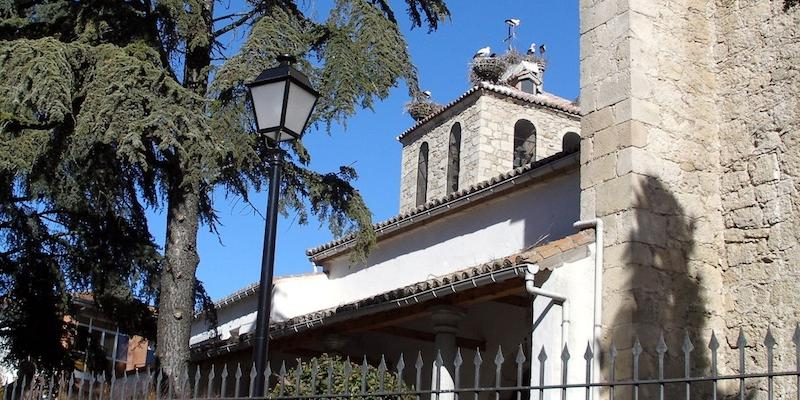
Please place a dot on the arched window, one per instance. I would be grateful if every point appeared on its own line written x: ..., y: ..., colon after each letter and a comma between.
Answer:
x: 524, y: 143
x: 422, y: 174
x: 454, y: 158
x: 570, y: 142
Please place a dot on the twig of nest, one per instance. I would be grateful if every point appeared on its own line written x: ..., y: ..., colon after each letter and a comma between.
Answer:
x: 488, y: 69
x: 422, y: 110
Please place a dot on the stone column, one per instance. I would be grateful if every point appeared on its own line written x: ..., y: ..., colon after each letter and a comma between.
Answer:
x: 445, y: 326
x: 650, y: 165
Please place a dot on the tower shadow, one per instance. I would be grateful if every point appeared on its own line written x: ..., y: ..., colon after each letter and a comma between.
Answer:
x: 659, y: 289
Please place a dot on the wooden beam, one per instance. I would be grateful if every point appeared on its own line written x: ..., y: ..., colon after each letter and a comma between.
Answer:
x: 517, y: 301
x: 423, y: 336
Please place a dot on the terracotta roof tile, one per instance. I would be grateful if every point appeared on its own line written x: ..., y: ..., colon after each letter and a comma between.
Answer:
x: 538, y: 254
x: 543, y: 99
x: 547, y: 256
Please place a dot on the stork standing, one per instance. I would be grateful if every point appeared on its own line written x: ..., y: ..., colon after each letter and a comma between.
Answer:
x: 483, y: 52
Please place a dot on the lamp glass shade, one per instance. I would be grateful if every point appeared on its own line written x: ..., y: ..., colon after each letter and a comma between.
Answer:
x: 268, y: 105
x: 299, y: 106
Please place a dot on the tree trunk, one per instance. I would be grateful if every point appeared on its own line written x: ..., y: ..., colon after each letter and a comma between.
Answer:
x: 176, y: 302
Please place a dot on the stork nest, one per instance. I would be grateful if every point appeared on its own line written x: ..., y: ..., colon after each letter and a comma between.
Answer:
x: 488, y: 69
x: 421, y: 110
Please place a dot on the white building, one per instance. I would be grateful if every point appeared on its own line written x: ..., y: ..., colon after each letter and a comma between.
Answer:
x: 490, y: 191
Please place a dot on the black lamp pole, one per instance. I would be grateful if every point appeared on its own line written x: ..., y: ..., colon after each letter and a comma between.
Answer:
x: 283, y: 100
x: 267, y: 265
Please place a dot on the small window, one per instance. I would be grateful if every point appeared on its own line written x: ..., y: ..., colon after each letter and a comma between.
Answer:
x: 454, y: 158
x: 422, y: 174
x: 571, y: 142
x: 527, y: 86
x: 524, y: 143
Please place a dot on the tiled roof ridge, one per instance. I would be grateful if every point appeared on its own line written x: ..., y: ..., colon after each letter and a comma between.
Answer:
x: 516, y: 172
x: 545, y: 99
x: 533, y: 255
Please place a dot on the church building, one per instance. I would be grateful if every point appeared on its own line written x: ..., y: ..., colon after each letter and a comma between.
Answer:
x: 665, y: 203
x: 483, y: 248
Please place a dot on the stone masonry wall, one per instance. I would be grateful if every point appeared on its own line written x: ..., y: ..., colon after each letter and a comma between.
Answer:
x: 691, y: 156
x: 650, y: 168
x: 437, y: 134
x: 496, y: 144
x: 758, y: 61
x: 487, y: 139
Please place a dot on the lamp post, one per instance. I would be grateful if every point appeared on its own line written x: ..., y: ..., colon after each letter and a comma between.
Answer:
x: 283, y: 100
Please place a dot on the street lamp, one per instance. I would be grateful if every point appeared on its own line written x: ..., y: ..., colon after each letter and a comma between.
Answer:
x: 283, y: 100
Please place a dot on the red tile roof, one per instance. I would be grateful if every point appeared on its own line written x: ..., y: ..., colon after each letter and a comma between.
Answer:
x: 548, y: 256
x: 543, y: 99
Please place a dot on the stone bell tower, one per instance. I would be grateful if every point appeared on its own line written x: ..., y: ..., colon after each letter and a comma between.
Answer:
x: 487, y: 131
x: 690, y: 153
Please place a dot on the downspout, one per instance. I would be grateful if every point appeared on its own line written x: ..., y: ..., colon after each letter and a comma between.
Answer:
x: 597, y: 319
x: 530, y: 287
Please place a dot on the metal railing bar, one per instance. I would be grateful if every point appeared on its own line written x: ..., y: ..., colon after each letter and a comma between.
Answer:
x: 518, y: 388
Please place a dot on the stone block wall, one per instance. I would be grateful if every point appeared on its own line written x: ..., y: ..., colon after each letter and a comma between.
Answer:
x: 487, y: 140
x: 650, y: 166
x: 437, y: 134
x: 498, y: 116
x: 758, y: 78
x: 691, y: 156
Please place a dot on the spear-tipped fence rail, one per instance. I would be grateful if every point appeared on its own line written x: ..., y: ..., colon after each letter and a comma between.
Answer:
x: 334, y: 378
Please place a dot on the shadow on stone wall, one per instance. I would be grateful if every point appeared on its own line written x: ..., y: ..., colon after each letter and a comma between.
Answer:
x: 658, y: 291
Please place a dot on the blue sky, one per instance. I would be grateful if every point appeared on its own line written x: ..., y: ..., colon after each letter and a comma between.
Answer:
x: 232, y: 259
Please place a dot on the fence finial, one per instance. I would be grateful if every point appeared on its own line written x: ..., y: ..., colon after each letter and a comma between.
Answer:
x: 477, y: 360
x: 637, y: 347
x: 458, y: 360
x: 498, y: 358
x: 401, y: 364
x: 520, y: 355
x: 688, y: 346
x: 588, y: 354
x: 542, y: 355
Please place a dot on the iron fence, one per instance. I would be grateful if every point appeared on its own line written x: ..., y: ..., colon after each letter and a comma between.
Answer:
x: 333, y: 377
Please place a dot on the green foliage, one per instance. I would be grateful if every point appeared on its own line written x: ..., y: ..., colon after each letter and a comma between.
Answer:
x: 341, y: 381
x: 105, y: 112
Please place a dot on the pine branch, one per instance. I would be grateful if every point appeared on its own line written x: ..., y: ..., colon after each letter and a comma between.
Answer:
x: 228, y: 16
x: 236, y: 24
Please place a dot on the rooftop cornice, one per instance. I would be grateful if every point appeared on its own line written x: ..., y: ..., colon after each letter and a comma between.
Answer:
x: 545, y: 99
x: 558, y: 162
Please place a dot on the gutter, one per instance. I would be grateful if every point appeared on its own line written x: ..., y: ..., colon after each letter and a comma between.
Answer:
x: 425, y: 295
x: 482, y: 279
x: 534, y: 292
x: 565, y: 163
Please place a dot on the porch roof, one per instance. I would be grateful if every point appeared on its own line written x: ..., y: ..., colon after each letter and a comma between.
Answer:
x: 547, y: 256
